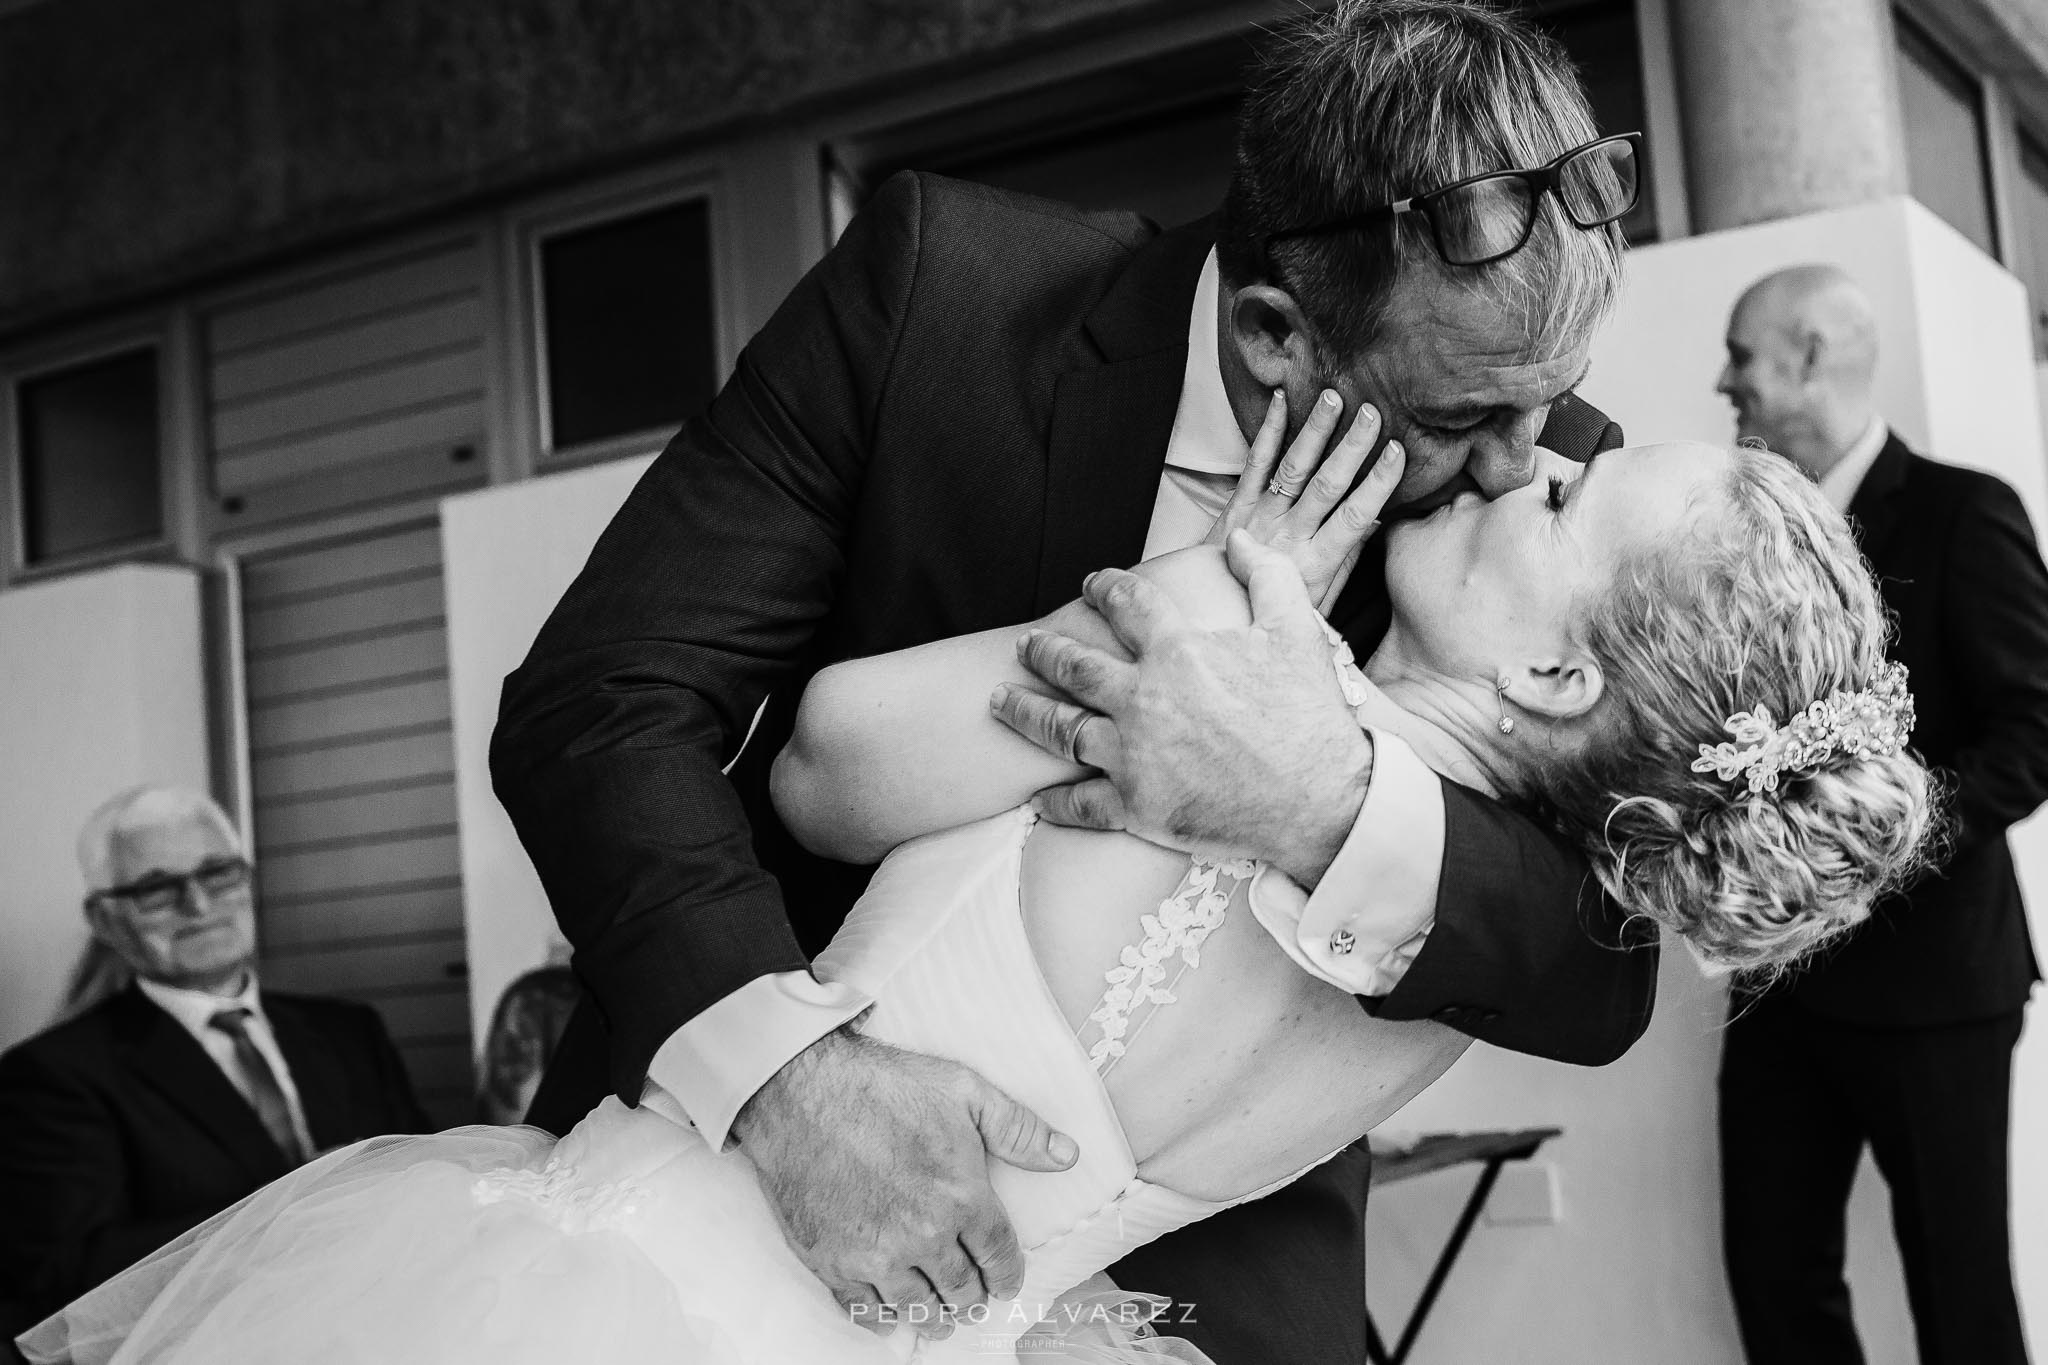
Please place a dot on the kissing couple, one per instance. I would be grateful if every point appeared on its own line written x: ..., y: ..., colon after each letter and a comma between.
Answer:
x: 1008, y: 988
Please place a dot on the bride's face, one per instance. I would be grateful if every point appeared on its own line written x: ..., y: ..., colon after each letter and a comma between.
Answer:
x: 1481, y: 587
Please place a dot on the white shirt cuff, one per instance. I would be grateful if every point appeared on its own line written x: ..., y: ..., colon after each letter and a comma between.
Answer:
x: 1374, y: 908
x: 714, y: 1064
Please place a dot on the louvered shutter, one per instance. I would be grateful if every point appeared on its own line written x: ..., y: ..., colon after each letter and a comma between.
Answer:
x: 353, y: 790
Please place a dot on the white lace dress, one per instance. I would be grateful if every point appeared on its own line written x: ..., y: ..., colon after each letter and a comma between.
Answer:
x: 631, y: 1240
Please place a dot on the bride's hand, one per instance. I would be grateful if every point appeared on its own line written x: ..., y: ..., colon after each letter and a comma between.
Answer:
x: 1299, y: 505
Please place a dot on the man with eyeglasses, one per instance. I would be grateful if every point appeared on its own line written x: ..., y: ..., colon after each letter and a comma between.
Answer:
x: 156, y: 1107
x: 973, y: 402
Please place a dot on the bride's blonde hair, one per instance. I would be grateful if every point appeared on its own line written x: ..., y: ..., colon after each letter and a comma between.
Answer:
x: 1764, y: 602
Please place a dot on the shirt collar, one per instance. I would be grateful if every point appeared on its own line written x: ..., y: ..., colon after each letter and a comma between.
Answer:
x: 1206, y: 438
x: 1839, y: 484
x: 195, y: 1009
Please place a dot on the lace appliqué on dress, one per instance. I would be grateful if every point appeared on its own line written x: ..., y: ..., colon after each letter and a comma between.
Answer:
x: 1172, y: 944
x: 555, y: 1190
x: 1356, y: 689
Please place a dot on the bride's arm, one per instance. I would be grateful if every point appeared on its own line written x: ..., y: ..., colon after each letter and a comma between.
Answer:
x: 896, y: 745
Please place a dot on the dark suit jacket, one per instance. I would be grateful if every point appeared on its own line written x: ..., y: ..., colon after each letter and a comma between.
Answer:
x: 1961, y: 572
x: 951, y: 420
x: 118, y: 1132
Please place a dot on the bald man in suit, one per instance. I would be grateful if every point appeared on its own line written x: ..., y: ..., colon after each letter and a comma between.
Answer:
x: 1902, y: 1039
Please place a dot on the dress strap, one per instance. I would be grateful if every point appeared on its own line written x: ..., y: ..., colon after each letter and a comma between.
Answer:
x: 1148, y: 971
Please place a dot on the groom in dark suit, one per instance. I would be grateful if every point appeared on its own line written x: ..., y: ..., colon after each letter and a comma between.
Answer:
x: 1902, y: 1039
x: 972, y: 402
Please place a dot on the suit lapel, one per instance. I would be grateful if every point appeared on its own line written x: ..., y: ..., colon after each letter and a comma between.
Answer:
x: 170, y: 1061
x: 1109, y: 430
x: 1111, y: 422
x: 316, y: 1074
x: 1879, y: 504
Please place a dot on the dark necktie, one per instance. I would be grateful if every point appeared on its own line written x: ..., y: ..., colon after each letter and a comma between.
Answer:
x: 264, y: 1091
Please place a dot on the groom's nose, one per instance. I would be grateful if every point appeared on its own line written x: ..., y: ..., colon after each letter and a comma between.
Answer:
x: 1502, y: 460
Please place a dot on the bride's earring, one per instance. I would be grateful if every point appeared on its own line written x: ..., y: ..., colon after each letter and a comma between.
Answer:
x: 1500, y: 688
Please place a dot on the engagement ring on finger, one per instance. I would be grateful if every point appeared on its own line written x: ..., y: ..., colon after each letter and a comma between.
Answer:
x: 1276, y: 486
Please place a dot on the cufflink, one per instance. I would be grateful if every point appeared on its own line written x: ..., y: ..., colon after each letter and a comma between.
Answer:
x: 1342, y: 942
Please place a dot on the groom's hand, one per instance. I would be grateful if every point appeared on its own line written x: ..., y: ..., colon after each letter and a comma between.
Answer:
x: 1224, y: 742
x: 877, y: 1161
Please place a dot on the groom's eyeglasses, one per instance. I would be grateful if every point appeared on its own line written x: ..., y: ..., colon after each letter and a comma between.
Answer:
x: 1488, y: 217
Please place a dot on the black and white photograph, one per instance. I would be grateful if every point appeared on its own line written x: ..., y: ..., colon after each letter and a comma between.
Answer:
x: 1023, y: 682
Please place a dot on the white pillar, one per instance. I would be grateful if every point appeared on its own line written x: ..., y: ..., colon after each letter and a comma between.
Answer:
x: 1790, y: 106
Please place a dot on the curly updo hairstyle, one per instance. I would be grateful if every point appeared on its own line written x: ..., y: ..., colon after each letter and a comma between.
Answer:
x: 1767, y: 605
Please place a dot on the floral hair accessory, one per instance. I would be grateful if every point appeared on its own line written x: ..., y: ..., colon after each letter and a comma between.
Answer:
x: 1876, y: 720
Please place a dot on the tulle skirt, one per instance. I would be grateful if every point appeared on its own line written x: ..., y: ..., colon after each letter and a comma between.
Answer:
x: 628, y: 1241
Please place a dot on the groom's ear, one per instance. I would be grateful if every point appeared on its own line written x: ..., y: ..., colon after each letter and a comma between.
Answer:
x: 1274, y: 340
x: 1564, y: 688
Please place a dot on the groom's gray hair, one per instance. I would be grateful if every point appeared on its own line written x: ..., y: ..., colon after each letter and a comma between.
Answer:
x: 1374, y: 100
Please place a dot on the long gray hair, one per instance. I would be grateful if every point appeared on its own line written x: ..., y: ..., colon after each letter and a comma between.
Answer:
x: 98, y: 973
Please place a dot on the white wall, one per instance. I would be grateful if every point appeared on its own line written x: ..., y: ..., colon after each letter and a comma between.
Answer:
x: 102, y: 687
x: 1982, y: 381
x: 1632, y: 1272
x: 510, y: 553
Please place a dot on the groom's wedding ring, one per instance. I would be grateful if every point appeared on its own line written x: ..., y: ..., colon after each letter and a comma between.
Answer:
x: 1067, y: 728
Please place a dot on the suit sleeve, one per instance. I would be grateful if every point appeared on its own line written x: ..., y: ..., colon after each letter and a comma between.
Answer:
x: 63, y: 1182
x: 698, y: 600
x: 1995, y: 632
x: 1527, y: 953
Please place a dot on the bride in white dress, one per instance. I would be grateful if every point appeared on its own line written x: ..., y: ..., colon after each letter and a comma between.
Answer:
x: 1615, y: 648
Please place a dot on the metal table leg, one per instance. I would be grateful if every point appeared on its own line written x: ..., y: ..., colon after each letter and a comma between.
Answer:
x: 1376, y: 1349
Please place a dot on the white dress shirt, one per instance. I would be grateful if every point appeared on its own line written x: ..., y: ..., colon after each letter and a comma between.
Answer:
x: 1359, y: 930
x: 195, y: 1010
x: 1839, y: 484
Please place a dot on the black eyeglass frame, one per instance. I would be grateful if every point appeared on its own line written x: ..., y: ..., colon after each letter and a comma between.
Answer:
x: 1540, y: 179
x: 240, y: 869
